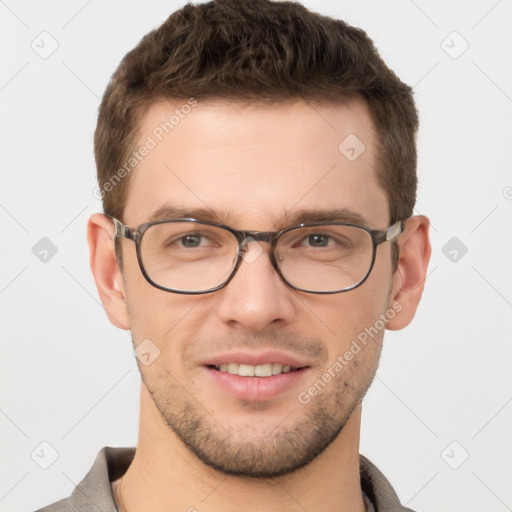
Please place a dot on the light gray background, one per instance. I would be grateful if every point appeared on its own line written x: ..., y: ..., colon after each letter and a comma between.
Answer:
x: 68, y: 378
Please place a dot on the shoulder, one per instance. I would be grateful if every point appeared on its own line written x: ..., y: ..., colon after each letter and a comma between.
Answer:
x: 94, y: 492
x: 378, y: 489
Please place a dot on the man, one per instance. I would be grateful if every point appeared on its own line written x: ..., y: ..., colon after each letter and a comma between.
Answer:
x: 257, y: 167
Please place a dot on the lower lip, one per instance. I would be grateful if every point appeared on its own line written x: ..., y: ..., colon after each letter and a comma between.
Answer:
x: 256, y: 388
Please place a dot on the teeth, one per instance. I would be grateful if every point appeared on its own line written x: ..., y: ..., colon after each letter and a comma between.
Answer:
x: 246, y: 370
x: 276, y: 368
x: 263, y: 370
x: 249, y: 370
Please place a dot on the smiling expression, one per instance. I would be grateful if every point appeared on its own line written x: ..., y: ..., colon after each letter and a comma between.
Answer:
x: 233, y: 362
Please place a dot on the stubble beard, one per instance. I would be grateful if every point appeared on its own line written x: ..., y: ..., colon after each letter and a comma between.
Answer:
x: 275, y: 450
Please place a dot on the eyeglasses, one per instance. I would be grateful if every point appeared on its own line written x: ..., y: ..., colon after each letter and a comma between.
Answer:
x: 192, y: 256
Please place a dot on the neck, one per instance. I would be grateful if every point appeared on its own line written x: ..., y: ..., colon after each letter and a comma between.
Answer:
x: 166, y: 476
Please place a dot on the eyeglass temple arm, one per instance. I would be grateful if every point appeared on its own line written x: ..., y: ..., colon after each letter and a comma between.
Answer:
x: 394, y: 230
x: 120, y: 229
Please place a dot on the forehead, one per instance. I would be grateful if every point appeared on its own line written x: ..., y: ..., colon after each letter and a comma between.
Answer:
x: 251, y: 165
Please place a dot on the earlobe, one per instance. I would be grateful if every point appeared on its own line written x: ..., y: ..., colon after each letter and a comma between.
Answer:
x: 411, y: 272
x: 106, y: 271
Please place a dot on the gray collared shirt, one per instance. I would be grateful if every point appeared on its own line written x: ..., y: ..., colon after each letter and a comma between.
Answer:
x: 94, y: 492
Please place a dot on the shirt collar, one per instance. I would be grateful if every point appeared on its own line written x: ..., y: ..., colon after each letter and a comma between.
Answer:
x: 111, y: 463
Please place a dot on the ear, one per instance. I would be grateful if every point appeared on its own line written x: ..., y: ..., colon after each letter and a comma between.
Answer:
x: 106, y: 271
x: 409, y: 278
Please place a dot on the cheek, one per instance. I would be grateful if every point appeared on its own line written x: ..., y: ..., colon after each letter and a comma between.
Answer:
x: 163, y: 320
x: 352, y: 312
x: 353, y: 323
x: 151, y: 310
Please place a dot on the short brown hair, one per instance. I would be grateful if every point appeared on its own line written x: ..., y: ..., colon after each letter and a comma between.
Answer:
x: 257, y: 51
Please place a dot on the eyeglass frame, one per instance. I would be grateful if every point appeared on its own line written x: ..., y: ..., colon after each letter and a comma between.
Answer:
x: 244, y: 236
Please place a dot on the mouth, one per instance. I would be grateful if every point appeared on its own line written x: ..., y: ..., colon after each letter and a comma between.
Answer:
x: 260, y: 370
x: 257, y: 377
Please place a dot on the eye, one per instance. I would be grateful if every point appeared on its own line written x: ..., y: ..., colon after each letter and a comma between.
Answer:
x: 322, y: 240
x: 318, y: 240
x: 192, y: 240
x: 188, y: 241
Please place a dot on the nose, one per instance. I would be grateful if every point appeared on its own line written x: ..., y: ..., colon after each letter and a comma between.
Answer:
x: 256, y: 296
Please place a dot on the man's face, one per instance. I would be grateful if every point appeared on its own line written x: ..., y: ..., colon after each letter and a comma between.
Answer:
x: 254, y: 168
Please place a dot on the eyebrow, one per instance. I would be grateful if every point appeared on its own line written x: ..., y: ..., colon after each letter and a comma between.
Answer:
x: 174, y: 212
x: 327, y: 215
x: 288, y: 219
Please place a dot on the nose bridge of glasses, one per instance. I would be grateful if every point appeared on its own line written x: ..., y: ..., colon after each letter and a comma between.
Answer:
x: 255, y: 236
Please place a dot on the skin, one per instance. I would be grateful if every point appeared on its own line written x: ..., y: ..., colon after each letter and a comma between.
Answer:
x: 252, y: 166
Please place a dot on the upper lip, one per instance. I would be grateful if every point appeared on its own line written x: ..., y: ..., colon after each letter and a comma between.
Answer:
x: 256, y: 359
